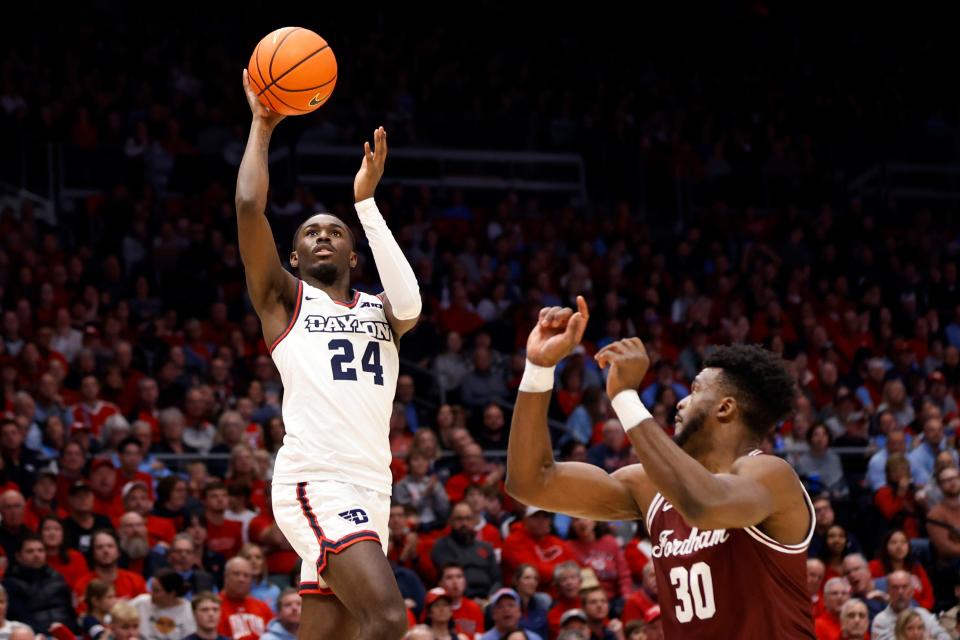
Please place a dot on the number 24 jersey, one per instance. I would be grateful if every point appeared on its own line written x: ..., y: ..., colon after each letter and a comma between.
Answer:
x: 339, y: 365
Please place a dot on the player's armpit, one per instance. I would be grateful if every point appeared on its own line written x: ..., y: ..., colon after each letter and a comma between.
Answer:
x: 757, y: 489
x: 581, y: 490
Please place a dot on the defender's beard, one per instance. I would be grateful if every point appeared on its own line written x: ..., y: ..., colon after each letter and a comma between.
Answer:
x: 691, y: 426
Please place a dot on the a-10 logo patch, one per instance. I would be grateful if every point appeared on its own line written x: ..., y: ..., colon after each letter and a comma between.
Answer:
x: 375, y: 305
x: 356, y: 516
x: 348, y: 323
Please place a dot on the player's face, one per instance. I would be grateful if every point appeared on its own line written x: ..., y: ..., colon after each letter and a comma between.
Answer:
x: 694, y: 410
x: 324, y: 249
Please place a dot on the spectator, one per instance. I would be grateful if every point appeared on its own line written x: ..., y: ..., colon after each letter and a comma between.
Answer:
x: 241, y: 615
x: 12, y: 527
x: 574, y: 623
x: 612, y: 452
x: 210, y: 560
x: 81, y: 521
x: 505, y: 611
x: 182, y: 558
x: 896, y: 442
x: 136, y: 553
x: 223, y: 536
x: 824, y: 519
x: 483, y: 385
x: 466, y: 613
x: 437, y: 615
x: 896, y: 501
x: 422, y: 489
x: 206, y: 615
x: 819, y: 467
x: 854, y: 620
x: 566, y: 582
x: 261, y: 589
x: 164, y: 614
x: 593, y: 546
x: 894, y: 555
x: 450, y: 367
x: 664, y: 373
x: 68, y: 562
x: 494, y: 432
x: 939, y: 393
x: 835, y: 550
x: 37, y: 595
x: 597, y: 608
x: 835, y: 593
x: 99, y: 598
x: 460, y: 547
x: 172, y: 501
x: 816, y: 572
x: 106, y: 496
x: 862, y: 585
x: 896, y: 401
x: 43, y: 502
x: 533, y: 605
x: 136, y: 499
x: 476, y: 470
x: 287, y: 622
x: 642, y: 600
x: 20, y: 463
x: 92, y: 412
x: 923, y: 457
x: 124, y: 622
x: 943, y: 521
x: 532, y: 543
x: 105, y: 557
x: 131, y: 454
x: 7, y: 626
x: 900, y: 590
x: 172, y: 426
x: 591, y: 411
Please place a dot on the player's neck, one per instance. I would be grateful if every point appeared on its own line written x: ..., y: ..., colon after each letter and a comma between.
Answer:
x: 338, y: 291
x: 718, y: 449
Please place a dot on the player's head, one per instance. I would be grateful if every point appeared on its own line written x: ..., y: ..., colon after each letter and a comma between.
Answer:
x: 740, y: 384
x: 323, y: 247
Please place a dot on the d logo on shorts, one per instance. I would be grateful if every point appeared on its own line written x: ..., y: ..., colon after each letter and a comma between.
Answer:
x: 356, y: 516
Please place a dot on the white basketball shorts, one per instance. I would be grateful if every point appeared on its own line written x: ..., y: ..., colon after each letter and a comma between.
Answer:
x: 324, y: 517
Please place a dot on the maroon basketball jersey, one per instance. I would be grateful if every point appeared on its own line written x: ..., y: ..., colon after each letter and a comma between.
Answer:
x: 728, y: 583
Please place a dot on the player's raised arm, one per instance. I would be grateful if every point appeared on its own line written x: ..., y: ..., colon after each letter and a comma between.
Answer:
x: 272, y: 288
x: 401, y: 293
x: 533, y: 476
x: 754, y: 489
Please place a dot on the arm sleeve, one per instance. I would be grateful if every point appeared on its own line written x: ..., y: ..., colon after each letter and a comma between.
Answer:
x: 396, y: 274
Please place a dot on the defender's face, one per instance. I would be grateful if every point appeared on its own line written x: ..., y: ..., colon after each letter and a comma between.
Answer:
x: 693, y: 411
x: 324, y: 248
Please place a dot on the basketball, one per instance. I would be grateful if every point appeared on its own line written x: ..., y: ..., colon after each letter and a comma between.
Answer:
x: 293, y: 71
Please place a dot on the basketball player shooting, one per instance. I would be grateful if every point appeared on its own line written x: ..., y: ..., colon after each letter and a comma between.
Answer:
x: 336, y: 350
x: 729, y: 527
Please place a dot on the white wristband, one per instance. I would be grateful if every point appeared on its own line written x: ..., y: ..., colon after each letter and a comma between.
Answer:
x: 536, y: 379
x: 629, y: 409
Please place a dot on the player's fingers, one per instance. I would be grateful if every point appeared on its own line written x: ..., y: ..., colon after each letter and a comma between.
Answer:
x: 562, y: 317
x: 552, y: 316
x: 543, y: 315
x: 383, y: 143
x: 582, y: 309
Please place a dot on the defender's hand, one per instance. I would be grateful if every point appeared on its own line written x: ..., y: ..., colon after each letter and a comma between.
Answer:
x: 628, y: 362
x: 371, y: 169
x: 558, y: 331
x: 260, y: 112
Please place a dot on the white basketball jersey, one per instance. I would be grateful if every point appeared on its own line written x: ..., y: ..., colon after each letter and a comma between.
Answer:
x: 339, y: 366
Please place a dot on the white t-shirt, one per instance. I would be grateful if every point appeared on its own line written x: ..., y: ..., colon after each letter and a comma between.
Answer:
x: 170, y: 623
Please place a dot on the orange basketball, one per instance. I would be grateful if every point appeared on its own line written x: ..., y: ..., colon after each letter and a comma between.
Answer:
x: 292, y: 71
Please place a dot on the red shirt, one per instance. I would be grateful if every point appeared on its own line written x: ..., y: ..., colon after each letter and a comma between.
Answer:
x: 607, y: 561
x: 560, y: 607
x: 72, y: 569
x: 827, y: 626
x: 468, y: 617
x: 141, y: 476
x: 279, y: 560
x: 112, y: 508
x: 226, y: 538
x: 544, y: 554
x: 127, y: 585
x: 891, y: 505
x: 160, y: 530
x: 92, y: 418
x: 243, y: 619
x: 636, y: 559
x: 636, y: 606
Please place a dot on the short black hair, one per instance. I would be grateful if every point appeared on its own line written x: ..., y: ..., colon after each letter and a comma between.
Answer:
x: 127, y: 442
x: 296, y: 234
x: 171, y: 581
x: 758, y: 380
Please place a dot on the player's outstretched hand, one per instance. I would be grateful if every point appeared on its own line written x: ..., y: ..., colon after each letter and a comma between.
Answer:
x: 558, y: 331
x: 371, y: 169
x: 259, y: 110
x: 628, y: 362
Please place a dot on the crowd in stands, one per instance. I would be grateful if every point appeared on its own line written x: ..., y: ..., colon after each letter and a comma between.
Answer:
x: 140, y: 409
